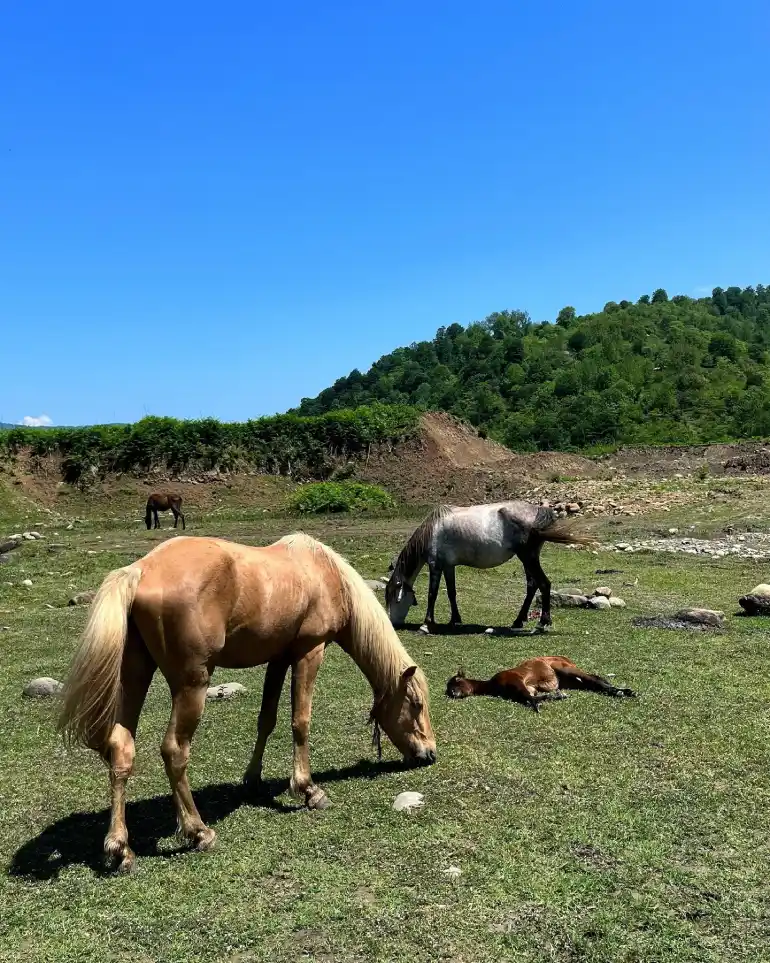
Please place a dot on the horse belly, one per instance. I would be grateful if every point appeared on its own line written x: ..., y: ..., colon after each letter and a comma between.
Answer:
x: 244, y: 649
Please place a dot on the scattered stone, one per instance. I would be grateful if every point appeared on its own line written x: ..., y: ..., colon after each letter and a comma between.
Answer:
x: 603, y: 590
x: 573, y: 508
x: 754, y: 604
x: 27, y: 582
x: 227, y: 690
x: 617, y: 603
x: 489, y: 631
x: 568, y: 600
x: 5, y: 559
x: 43, y: 688
x: 375, y: 584
x: 599, y: 602
x: 9, y: 545
x: 453, y: 872
x: 408, y: 801
x: 82, y: 598
x: 702, y: 617
x: 761, y: 591
x: 424, y: 629
x: 673, y: 531
x: 16, y: 538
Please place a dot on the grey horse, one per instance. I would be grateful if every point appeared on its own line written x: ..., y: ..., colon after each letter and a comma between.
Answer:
x: 480, y: 536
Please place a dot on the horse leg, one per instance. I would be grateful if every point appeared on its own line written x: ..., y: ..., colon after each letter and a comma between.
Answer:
x: 136, y: 673
x: 183, y: 522
x: 303, y: 676
x: 175, y: 513
x: 157, y: 520
x: 271, y: 694
x: 451, y: 591
x: 433, y: 587
x: 575, y: 678
x: 523, y: 615
x: 544, y: 585
x: 186, y: 711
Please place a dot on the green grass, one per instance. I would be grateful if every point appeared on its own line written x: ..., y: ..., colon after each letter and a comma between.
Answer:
x: 597, y: 830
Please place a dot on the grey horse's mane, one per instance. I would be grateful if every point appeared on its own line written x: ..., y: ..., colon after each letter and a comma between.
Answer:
x: 413, y: 553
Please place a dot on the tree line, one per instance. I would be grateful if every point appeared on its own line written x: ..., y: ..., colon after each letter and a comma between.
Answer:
x: 660, y: 370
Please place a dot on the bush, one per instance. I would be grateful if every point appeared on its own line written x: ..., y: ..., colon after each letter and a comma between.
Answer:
x: 321, y: 497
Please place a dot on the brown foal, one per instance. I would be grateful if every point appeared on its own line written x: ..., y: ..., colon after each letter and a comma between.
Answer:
x: 196, y: 603
x: 533, y: 682
x: 163, y: 502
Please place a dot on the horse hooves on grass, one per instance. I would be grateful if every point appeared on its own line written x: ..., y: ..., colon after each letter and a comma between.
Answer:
x: 424, y: 629
x: 205, y: 840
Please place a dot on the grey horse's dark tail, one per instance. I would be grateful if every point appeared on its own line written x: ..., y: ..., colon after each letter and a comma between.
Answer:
x: 563, y: 531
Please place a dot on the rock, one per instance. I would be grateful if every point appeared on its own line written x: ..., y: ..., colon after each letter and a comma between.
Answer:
x: 702, y: 617
x: 761, y: 591
x: 56, y: 547
x: 82, y: 598
x: 408, y: 801
x: 375, y: 584
x: 453, y: 872
x: 43, y: 688
x: 573, y: 508
x: 27, y: 582
x: 227, y: 690
x: 599, y: 602
x: 603, y: 590
x: 424, y: 629
x: 16, y: 538
x: 673, y: 531
x: 568, y: 600
x: 617, y: 603
x: 9, y: 545
x: 622, y: 546
x: 755, y: 603
x: 5, y: 559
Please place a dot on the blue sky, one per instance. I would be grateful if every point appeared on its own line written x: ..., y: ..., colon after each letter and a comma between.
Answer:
x: 217, y: 209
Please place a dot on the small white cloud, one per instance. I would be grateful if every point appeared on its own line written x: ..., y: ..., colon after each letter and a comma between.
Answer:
x: 42, y: 421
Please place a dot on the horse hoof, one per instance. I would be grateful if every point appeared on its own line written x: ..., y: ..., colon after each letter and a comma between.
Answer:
x: 424, y: 629
x: 205, y: 840
x: 318, y: 800
x: 127, y: 865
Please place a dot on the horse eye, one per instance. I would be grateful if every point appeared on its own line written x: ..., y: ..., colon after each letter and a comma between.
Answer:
x: 417, y: 705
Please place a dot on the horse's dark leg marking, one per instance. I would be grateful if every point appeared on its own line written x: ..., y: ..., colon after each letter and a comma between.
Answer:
x: 183, y: 521
x: 433, y: 587
x: 451, y: 591
x: 175, y: 513
x: 521, y: 618
x: 576, y: 679
x: 157, y: 520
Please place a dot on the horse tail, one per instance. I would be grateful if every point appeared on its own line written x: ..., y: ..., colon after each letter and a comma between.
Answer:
x: 92, y: 690
x: 563, y: 531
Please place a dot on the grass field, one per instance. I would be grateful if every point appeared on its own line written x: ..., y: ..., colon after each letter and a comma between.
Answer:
x: 597, y: 830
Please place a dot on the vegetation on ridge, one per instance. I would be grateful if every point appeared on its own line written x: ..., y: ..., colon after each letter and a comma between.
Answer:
x: 677, y: 370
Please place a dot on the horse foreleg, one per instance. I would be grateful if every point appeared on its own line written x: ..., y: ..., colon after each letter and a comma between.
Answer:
x: 303, y: 676
x: 433, y: 587
x: 175, y: 513
x: 136, y: 674
x: 186, y: 711
x: 451, y: 591
x: 157, y: 520
x: 523, y: 615
x: 183, y: 522
x: 271, y: 695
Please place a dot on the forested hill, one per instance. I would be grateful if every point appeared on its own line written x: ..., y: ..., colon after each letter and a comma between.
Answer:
x: 660, y: 370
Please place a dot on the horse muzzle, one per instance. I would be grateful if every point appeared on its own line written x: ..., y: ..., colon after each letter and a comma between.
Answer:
x: 424, y: 757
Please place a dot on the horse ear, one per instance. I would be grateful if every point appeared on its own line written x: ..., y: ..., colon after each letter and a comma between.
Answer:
x: 408, y: 673
x: 461, y: 673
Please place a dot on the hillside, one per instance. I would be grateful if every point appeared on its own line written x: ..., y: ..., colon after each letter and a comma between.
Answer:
x: 659, y: 371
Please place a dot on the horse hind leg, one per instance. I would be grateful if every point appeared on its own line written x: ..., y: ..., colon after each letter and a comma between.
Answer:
x: 451, y: 591
x: 575, y: 678
x: 186, y: 711
x: 136, y: 674
x: 521, y: 618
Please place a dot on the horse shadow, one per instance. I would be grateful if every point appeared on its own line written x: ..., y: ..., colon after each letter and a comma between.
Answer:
x: 77, y: 839
x: 473, y: 628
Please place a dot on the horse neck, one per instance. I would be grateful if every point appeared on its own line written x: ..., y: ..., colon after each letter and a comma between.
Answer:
x: 481, y: 686
x: 376, y: 650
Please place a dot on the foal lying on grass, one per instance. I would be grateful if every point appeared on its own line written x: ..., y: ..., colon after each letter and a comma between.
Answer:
x: 533, y: 682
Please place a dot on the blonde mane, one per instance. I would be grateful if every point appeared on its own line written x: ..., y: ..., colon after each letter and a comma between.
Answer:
x: 375, y: 645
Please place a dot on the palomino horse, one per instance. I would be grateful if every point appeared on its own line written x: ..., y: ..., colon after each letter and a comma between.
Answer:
x: 533, y: 682
x: 481, y: 536
x: 163, y: 502
x: 193, y: 604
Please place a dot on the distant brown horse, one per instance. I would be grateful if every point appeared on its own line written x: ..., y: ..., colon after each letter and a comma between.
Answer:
x: 163, y: 502
x: 533, y: 682
x: 196, y: 603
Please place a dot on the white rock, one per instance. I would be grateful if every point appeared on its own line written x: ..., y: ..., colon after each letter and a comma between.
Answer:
x: 617, y: 603
x: 673, y: 531
x: 489, y: 631
x: 407, y: 801
x: 424, y: 629
x: 599, y: 602
x: 453, y: 872
x: 227, y: 690
x: 42, y: 688
x: 27, y: 582
x: 603, y: 590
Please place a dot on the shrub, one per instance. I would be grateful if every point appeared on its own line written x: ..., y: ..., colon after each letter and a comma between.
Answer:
x: 341, y: 496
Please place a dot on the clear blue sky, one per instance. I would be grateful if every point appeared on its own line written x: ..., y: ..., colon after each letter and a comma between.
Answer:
x: 216, y: 209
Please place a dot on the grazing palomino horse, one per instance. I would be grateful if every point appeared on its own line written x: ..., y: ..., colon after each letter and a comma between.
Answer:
x: 481, y: 536
x: 163, y: 502
x: 533, y: 682
x: 193, y: 604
